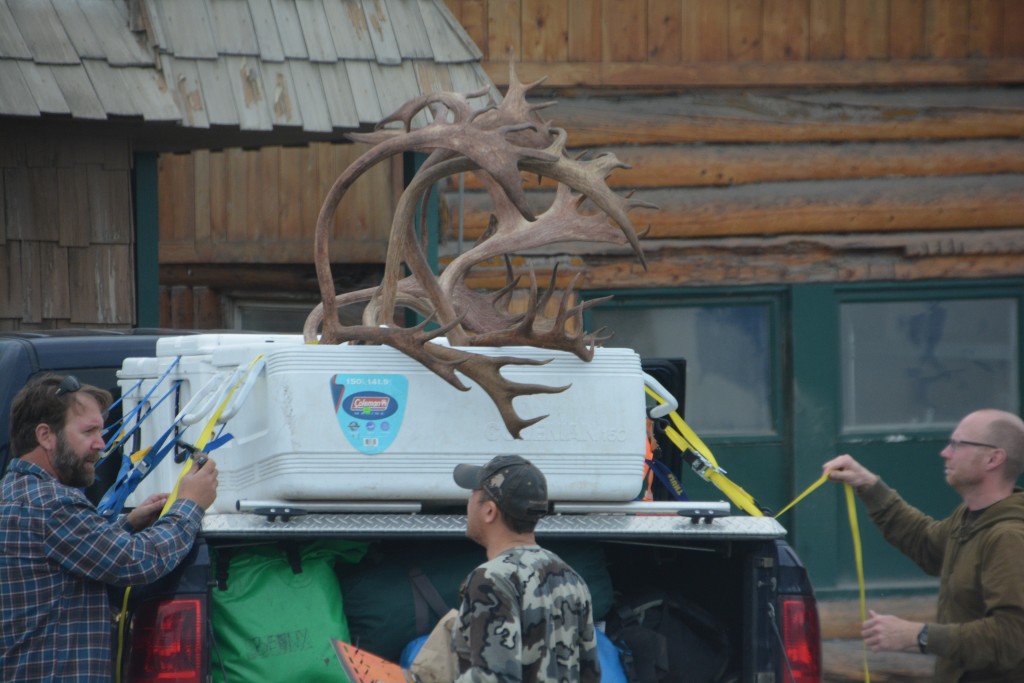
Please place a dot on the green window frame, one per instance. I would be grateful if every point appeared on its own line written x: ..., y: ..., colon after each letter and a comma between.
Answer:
x: 934, y: 368
x: 716, y: 301
x: 907, y: 458
x: 808, y: 428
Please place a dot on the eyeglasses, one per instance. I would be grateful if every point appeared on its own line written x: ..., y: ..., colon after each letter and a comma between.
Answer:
x: 68, y: 385
x: 957, y: 443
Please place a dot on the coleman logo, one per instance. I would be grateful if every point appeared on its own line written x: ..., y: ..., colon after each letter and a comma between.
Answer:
x: 370, y: 408
x: 369, y: 404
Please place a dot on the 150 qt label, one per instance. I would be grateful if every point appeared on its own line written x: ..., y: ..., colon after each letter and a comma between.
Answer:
x: 370, y: 409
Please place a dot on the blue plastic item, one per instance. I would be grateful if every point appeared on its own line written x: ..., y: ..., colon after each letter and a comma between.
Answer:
x: 607, y: 654
x: 611, y: 664
x: 411, y: 650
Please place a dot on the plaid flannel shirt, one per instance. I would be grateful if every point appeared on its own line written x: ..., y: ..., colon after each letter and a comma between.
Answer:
x: 56, y: 556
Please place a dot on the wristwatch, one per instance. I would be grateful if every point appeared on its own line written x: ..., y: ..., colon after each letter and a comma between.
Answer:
x: 922, y: 639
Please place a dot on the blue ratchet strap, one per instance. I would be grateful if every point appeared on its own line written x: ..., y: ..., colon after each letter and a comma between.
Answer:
x: 211, y: 446
x: 138, y: 424
x: 668, y: 479
x: 134, y: 469
x: 221, y: 439
x: 116, y: 403
x: 139, y: 406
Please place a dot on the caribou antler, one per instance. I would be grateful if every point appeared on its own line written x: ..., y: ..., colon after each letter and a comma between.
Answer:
x: 443, y: 361
x: 499, y: 144
x: 556, y: 336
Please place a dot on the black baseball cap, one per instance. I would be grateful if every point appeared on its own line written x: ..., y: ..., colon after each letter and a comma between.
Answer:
x: 516, y: 485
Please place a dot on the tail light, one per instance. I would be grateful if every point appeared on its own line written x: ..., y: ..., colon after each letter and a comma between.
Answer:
x: 801, y: 637
x: 167, y: 642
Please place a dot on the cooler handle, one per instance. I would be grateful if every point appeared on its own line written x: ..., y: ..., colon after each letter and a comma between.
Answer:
x: 202, y: 401
x: 243, y: 392
x: 662, y: 409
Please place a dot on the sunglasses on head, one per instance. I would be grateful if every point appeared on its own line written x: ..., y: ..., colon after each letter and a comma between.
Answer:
x: 68, y: 385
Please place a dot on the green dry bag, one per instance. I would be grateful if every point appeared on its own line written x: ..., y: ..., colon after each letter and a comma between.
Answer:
x: 275, y: 609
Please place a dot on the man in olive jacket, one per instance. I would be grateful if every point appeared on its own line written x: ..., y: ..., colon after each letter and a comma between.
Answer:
x: 978, y: 553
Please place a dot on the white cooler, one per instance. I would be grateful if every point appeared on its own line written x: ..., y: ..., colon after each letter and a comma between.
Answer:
x: 194, y: 371
x: 367, y: 423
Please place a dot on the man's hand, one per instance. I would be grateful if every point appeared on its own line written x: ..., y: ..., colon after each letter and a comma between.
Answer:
x: 886, y: 632
x: 146, y: 513
x: 848, y: 471
x: 200, y: 483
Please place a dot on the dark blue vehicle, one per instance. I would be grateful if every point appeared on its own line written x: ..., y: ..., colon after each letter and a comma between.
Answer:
x: 739, y: 568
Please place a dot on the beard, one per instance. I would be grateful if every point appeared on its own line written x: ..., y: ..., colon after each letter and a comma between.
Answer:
x: 964, y: 478
x: 72, y: 470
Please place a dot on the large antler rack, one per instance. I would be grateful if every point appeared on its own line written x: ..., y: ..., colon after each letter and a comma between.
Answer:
x: 499, y: 144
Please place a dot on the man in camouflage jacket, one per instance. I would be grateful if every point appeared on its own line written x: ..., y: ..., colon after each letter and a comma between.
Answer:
x: 525, y: 614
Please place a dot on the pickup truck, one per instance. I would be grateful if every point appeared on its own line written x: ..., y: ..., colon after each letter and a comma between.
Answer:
x: 737, y: 567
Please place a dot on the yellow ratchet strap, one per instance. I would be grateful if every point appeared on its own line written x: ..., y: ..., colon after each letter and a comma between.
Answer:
x: 204, y: 438
x: 809, y: 490
x: 139, y: 455
x: 207, y: 433
x: 685, y: 438
x: 858, y: 554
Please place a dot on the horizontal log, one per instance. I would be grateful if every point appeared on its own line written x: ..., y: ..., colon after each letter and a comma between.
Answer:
x: 761, y: 74
x: 835, y: 206
x: 723, y: 165
x: 786, y: 260
x: 696, y: 269
x: 266, y: 277
x: 768, y: 117
x: 255, y: 251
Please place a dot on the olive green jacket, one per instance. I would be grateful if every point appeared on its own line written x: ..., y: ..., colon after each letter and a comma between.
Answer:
x: 979, y: 637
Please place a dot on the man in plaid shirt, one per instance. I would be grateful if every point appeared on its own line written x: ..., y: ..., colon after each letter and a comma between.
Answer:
x: 57, y: 553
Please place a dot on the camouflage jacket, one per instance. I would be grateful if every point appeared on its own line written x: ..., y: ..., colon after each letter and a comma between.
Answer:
x: 526, y: 616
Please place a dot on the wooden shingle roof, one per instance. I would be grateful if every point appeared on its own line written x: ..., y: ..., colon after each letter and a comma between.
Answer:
x: 305, y: 66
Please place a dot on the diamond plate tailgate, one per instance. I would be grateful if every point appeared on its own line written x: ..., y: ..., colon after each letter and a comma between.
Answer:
x: 601, y: 526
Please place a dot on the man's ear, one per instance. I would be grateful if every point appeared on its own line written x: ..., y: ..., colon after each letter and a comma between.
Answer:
x: 996, y: 459
x: 490, y: 511
x: 45, y: 436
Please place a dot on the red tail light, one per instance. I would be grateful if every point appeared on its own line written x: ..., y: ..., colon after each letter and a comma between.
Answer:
x: 167, y: 642
x: 801, y: 635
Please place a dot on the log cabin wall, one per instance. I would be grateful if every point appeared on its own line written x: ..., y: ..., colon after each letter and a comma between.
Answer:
x: 783, y: 140
x: 65, y: 232
x: 635, y: 44
x: 238, y: 225
x: 790, y: 145
x: 803, y: 154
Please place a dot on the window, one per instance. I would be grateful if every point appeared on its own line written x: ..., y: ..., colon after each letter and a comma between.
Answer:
x: 728, y: 351
x: 926, y: 363
x: 260, y: 316
x: 284, y: 317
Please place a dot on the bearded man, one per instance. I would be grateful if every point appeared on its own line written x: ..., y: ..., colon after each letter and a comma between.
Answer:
x: 58, y: 554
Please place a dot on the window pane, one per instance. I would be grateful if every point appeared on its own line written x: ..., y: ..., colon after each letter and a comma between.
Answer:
x: 927, y: 363
x: 286, y: 318
x: 728, y: 359
x: 283, y: 318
